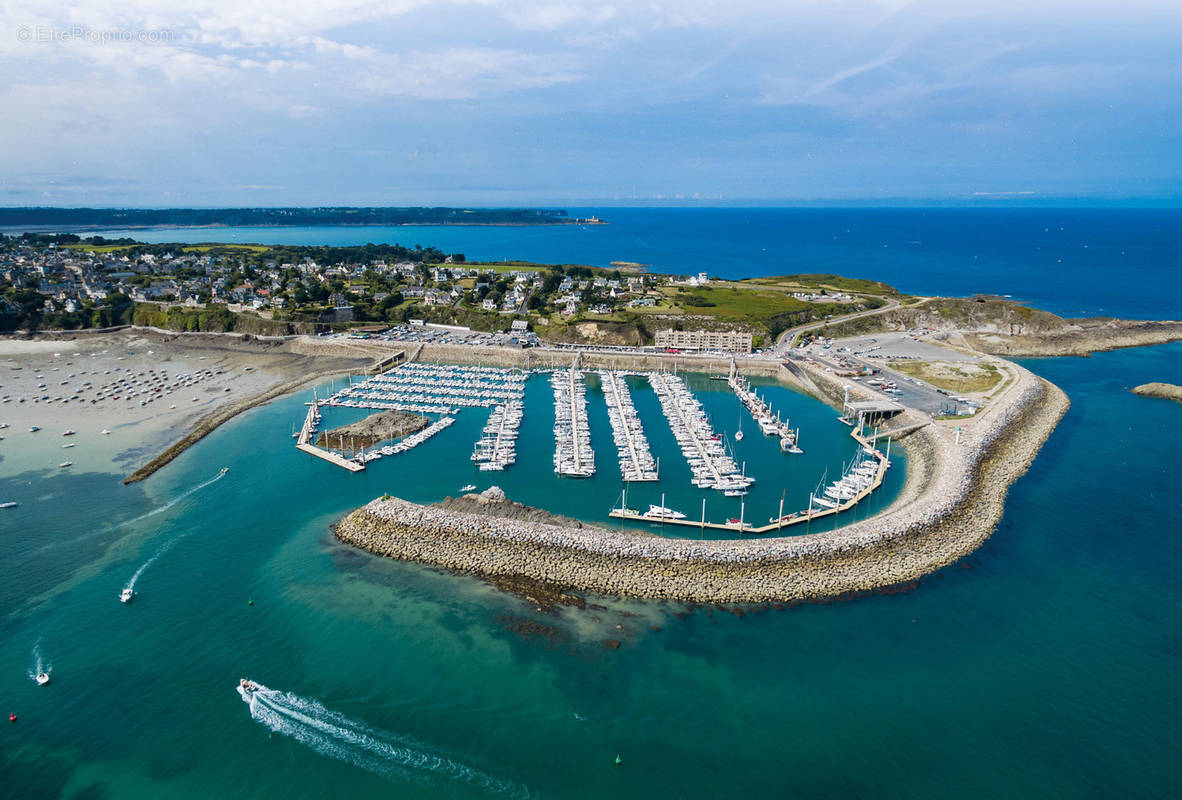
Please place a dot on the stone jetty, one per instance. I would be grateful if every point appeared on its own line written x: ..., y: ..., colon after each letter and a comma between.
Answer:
x: 951, y: 502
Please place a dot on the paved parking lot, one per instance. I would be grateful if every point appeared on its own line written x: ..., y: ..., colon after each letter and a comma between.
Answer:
x: 897, y: 345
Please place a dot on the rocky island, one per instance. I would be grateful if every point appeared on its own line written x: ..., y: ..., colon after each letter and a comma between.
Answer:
x: 380, y: 427
x: 1165, y: 391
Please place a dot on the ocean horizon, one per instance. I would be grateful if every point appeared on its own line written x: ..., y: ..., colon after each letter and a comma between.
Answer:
x: 1075, y: 262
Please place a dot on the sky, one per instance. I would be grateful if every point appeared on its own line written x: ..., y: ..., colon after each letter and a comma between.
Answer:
x: 524, y: 102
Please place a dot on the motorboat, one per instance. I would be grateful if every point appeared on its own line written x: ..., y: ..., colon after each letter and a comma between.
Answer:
x: 663, y: 512
x: 105, y: 432
x: 126, y: 595
x: 224, y: 470
x: 247, y: 689
x: 738, y: 436
x: 65, y: 464
x: 469, y: 488
x: 33, y: 429
x: 68, y: 432
x: 42, y: 678
x: 9, y: 504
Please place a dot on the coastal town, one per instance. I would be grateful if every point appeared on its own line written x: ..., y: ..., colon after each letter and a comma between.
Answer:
x: 64, y: 282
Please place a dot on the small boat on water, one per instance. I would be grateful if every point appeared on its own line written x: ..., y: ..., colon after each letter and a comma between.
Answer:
x: 126, y: 595
x: 42, y: 678
x: 9, y: 504
x: 68, y: 444
x: 469, y: 488
x: 105, y: 432
x: 247, y: 689
x: 33, y: 429
x: 68, y: 432
x: 65, y: 464
x: 224, y: 470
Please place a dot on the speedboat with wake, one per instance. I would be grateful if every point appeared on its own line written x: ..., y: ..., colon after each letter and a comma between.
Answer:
x: 471, y: 487
x: 247, y: 689
x: 42, y: 678
x: 126, y: 595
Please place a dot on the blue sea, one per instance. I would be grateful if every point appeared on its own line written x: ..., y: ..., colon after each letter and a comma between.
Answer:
x: 1045, y: 665
x: 1074, y: 262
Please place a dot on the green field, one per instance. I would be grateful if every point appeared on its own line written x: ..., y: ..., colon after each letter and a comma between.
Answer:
x: 733, y: 303
x: 953, y: 377
x: 832, y: 283
x: 212, y: 247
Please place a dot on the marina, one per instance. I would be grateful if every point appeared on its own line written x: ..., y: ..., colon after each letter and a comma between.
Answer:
x: 704, y: 450
x: 769, y: 424
x: 861, y: 477
x: 303, y: 442
x: 590, y: 407
x: 432, y: 389
x: 406, y: 443
x: 497, y: 446
x: 636, y: 460
x: 573, y: 455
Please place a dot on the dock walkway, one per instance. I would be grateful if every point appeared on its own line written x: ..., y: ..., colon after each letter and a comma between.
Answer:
x: 573, y: 455
x: 636, y: 460
x: 302, y: 443
x: 785, y: 521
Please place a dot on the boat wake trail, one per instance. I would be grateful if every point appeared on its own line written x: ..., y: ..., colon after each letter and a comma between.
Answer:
x: 164, y: 548
x: 389, y: 755
x: 39, y: 663
x: 158, y: 510
x: 182, y: 496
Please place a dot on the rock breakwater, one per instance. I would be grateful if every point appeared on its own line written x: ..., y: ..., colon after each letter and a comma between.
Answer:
x: 951, y: 503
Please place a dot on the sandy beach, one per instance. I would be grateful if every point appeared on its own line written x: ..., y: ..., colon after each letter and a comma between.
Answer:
x: 145, y: 389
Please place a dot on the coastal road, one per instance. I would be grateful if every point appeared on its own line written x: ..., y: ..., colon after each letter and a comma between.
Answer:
x: 784, y: 342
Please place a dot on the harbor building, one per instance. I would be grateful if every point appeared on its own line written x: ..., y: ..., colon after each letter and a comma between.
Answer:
x: 730, y: 341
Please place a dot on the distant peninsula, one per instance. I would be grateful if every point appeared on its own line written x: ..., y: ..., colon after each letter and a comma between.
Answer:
x: 112, y: 218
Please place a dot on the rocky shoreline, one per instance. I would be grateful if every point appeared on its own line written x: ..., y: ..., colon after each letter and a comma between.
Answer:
x: 1079, y: 338
x: 951, y: 503
x: 380, y: 427
x: 1165, y: 391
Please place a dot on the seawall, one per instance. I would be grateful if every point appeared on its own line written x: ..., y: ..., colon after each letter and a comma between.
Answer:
x: 951, y: 502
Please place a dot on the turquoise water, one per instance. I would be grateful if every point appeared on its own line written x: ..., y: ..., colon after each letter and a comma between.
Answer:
x: 1045, y: 665
x: 439, y: 469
